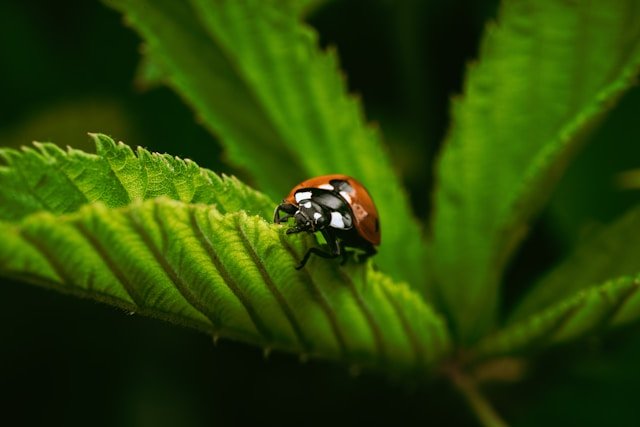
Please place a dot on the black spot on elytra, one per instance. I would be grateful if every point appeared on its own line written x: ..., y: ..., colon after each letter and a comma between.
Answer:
x: 341, y: 185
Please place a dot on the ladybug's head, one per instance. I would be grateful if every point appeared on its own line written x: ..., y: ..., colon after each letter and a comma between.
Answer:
x: 311, y: 216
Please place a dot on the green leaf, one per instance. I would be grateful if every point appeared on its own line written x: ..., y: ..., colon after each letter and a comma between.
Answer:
x: 81, y: 223
x: 231, y: 275
x: 612, y: 252
x: 547, y: 72
x: 615, y: 303
x: 256, y: 77
x: 58, y: 181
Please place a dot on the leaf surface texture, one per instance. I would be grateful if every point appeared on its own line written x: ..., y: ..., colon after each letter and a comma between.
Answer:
x: 547, y: 71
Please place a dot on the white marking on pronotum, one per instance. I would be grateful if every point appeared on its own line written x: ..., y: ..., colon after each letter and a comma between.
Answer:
x: 346, y: 196
x: 303, y: 195
x: 307, y: 205
x: 336, y: 220
x: 326, y: 187
x: 317, y: 215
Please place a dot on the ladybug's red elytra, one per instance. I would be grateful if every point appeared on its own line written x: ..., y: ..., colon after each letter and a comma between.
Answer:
x: 337, y: 206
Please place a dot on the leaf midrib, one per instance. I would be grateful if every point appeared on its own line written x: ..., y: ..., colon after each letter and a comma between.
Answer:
x: 227, y: 54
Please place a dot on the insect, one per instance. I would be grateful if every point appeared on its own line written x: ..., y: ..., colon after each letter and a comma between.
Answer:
x: 337, y: 206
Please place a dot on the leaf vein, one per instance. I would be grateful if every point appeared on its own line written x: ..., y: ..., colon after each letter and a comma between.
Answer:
x: 179, y: 284
x: 206, y: 244
x: 55, y: 164
x: 619, y: 303
x: 560, y: 323
x: 371, y: 321
x: 271, y: 286
x: 245, y: 80
x: 50, y: 258
x: 128, y: 287
x: 406, y: 327
x: 317, y: 295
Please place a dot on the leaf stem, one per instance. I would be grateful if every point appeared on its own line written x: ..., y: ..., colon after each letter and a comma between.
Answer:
x: 481, y: 407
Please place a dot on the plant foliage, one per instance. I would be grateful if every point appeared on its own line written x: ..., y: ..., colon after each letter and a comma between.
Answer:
x: 160, y: 236
x: 157, y: 235
x: 286, y: 107
x: 547, y: 72
x: 614, y: 303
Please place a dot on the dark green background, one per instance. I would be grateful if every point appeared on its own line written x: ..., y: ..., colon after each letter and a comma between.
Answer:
x: 68, y: 68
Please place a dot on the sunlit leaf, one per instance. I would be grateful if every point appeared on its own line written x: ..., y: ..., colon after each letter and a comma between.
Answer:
x: 230, y: 275
x: 49, y: 178
x: 157, y: 235
x: 591, y: 310
x: 613, y: 252
x: 258, y: 79
x: 547, y: 71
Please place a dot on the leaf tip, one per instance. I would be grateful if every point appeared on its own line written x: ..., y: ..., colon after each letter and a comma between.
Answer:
x: 104, y: 144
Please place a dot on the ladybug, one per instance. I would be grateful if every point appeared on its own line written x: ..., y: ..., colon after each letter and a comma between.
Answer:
x: 337, y: 206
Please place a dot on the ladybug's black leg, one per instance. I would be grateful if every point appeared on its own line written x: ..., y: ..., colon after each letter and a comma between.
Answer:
x: 345, y: 254
x: 370, y: 251
x: 316, y: 251
x: 289, y: 210
x: 335, y: 249
x: 296, y: 229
